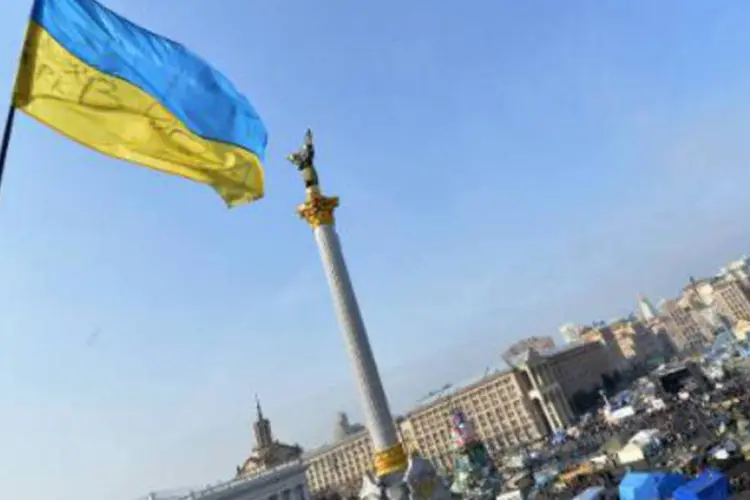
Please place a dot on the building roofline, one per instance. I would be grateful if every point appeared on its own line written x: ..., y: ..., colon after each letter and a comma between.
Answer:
x: 456, y: 390
x: 320, y: 450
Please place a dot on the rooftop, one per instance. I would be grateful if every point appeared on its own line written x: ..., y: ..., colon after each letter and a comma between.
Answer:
x: 450, y: 390
x: 332, y: 446
x: 550, y: 353
x: 225, y: 486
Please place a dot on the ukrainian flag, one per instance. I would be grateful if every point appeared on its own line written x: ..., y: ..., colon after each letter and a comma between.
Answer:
x: 128, y: 93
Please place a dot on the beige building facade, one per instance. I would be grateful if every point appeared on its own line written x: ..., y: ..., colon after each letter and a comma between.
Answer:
x: 508, y: 408
x: 519, y: 349
x: 580, y: 367
x: 341, y: 465
x: 636, y: 342
x: 684, y: 329
x: 731, y: 301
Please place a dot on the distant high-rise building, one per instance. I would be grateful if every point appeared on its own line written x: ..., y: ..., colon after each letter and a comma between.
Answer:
x: 738, y: 270
x: 648, y: 312
x: 699, y: 293
x: 539, y: 344
x: 571, y: 332
x: 731, y: 301
x: 343, y: 429
x: 658, y: 327
x: 683, y: 326
x: 637, y: 343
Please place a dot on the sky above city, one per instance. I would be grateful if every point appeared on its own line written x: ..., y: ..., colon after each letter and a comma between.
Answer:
x: 504, y: 167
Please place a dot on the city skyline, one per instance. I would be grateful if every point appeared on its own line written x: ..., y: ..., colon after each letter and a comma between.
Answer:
x: 556, y: 335
x: 503, y: 168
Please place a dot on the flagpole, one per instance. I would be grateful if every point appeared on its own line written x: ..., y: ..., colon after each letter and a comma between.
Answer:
x: 5, y: 145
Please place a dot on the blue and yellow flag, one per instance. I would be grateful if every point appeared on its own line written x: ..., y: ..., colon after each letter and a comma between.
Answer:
x: 128, y: 93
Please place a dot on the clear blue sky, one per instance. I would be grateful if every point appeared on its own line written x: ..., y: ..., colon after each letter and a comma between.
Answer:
x: 504, y: 167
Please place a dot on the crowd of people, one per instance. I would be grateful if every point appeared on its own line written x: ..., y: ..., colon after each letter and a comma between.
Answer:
x: 689, y: 428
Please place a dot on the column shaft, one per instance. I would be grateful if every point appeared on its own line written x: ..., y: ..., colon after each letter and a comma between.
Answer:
x: 377, y: 413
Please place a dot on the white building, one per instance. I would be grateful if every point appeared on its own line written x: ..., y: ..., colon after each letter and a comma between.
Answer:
x: 285, y: 482
x: 737, y: 270
x: 646, y: 309
x: 571, y: 332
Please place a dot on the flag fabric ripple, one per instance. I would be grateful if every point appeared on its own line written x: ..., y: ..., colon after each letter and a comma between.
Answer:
x: 115, y: 87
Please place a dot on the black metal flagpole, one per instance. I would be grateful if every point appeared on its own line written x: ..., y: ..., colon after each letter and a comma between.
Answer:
x: 11, y: 117
x: 7, y: 132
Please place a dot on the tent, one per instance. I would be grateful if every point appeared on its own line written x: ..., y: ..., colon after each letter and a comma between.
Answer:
x: 709, y: 485
x: 630, y: 453
x: 559, y: 437
x: 614, y: 444
x: 593, y: 493
x: 645, y: 438
x: 650, y: 485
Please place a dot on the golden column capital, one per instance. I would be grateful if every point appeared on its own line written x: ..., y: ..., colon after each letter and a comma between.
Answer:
x: 318, y: 209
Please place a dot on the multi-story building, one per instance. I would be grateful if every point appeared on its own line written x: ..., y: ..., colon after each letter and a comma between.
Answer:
x: 684, y: 329
x: 698, y: 294
x: 646, y: 309
x: 539, y: 344
x: 626, y: 343
x: 340, y: 465
x: 572, y: 332
x: 603, y: 334
x: 658, y: 327
x: 636, y: 342
x: 580, y: 367
x: 731, y: 301
x: 343, y: 428
x: 738, y: 270
x: 508, y: 408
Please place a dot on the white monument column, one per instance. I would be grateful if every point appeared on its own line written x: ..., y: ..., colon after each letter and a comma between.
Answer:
x: 377, y: 413
x: 390, y: 461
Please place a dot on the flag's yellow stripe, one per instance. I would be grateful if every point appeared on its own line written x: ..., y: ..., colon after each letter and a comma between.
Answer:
x: 119, y: 119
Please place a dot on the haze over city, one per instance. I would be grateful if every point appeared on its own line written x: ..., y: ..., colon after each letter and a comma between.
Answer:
x: 504, y: 168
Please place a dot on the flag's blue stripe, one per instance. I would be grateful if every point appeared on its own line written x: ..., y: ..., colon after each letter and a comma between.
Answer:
x: 201, y: 97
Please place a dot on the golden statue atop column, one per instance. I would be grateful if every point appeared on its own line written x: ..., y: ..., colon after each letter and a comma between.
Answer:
x: 317, y: 209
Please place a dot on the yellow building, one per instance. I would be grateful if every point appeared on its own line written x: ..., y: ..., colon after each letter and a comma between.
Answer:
x: 685, y: 331
x: 507, y: 407
x: 731, y: 301
x: 636, y: 342
x: 340, y: 465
